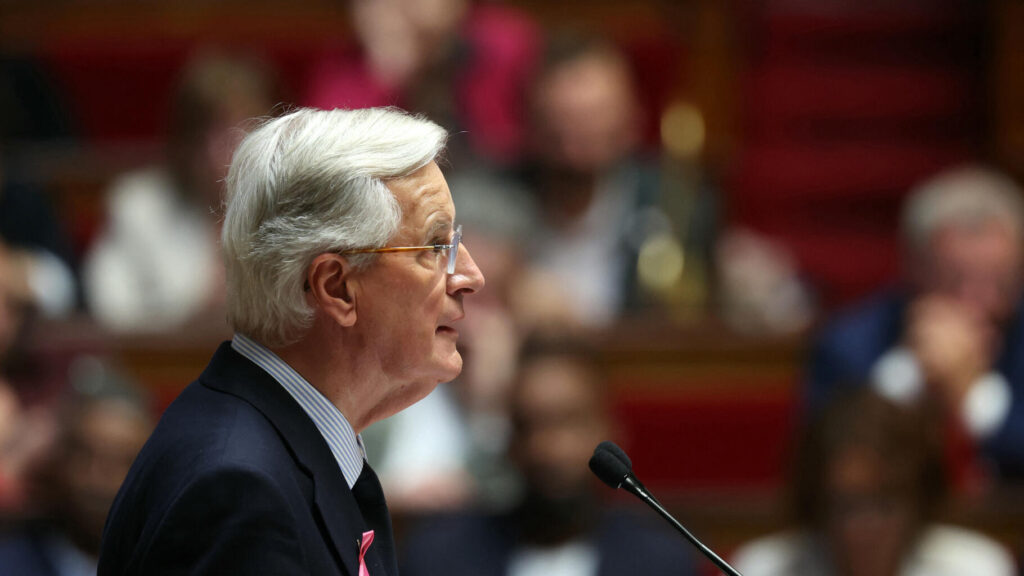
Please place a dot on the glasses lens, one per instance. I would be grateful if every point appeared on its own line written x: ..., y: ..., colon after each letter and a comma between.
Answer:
x: 453, y: 251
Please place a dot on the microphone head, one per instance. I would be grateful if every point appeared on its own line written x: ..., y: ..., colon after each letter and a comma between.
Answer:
x: 617, y: 452
x: 610, y: 464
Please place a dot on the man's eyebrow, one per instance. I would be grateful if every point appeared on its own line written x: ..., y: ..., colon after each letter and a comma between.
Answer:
x: 440, y: 225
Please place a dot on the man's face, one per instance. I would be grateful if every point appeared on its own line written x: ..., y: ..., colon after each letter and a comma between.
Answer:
x: 558, y: 420
x: 408, y: 305
x: 871, y: 514
x: 978, y: 266
x: 585, y: 116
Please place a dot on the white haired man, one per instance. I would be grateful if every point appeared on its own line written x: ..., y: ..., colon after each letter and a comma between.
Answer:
x: 345, y: 277
x: 953, y: 333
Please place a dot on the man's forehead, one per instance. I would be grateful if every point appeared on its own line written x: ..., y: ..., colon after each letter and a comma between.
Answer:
x: 425, y: 199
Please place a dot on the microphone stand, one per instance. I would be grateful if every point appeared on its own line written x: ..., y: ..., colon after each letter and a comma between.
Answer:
x: 634, y: 486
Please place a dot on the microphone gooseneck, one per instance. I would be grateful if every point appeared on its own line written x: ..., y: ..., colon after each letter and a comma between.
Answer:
x: 614, y: 468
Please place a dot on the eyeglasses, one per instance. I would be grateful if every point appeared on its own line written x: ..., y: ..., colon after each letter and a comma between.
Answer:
x: 452, y: 249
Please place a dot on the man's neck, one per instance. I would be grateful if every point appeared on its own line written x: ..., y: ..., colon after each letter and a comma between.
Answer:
x: 343, y: 372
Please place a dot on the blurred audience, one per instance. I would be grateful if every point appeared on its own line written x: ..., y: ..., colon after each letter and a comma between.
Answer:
x: 462, y: 63
x: 953, y: 332
x: 102, y: 424
x: 597, y: 197
x: 156, y: 265
x: 558, y: 526
x: 869, y: 482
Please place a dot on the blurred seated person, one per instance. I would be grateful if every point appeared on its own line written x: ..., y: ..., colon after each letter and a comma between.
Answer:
x: 869, y: 482
x: 558, y: 526
x: 954, y: 329
x: 598, y: 198
x: 462, y: 63
x: 102, y: 426
x: 157, y: 265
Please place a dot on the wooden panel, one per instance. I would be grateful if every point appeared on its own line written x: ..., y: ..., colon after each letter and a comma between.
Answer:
x: 1007, y: 87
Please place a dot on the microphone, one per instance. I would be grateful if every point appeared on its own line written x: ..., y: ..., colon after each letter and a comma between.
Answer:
x: 614, y: 468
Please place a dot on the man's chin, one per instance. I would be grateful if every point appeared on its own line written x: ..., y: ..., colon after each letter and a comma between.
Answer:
x: 452, y: 366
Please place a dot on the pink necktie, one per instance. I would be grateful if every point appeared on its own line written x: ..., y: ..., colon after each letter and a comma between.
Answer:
x: 367, y: 540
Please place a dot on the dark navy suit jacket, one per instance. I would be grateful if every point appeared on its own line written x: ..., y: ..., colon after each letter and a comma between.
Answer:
x: 236, y: 479
x: 846, y: 349
x: 483, y: 545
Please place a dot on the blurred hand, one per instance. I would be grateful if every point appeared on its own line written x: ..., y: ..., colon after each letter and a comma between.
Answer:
x: 954, y: 345
x: 541, y: 304
x: 25, y: 438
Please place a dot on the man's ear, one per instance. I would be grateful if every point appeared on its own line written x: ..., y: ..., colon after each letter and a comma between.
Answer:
x: 329, y: 289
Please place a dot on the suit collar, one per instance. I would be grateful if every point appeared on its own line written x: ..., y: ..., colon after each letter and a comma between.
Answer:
x: 232, y: 373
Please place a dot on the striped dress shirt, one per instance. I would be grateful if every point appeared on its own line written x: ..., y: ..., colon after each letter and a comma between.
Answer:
x: 344, y: 443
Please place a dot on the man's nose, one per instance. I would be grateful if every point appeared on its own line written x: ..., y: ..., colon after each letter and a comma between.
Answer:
x: 467, y: 277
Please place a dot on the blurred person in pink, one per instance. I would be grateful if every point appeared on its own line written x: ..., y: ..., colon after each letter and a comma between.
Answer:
x: 463, y: 63
x: 953, y: 331
x: 156, y: 264
x: 869, y: 481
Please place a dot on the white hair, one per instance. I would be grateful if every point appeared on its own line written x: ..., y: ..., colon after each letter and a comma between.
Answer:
x: 309, y: 182
x: 967, y: 196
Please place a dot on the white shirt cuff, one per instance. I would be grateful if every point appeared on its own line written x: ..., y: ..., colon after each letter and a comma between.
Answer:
x: 52, y: 284
x: 986, y: 405
x: 896, y: 376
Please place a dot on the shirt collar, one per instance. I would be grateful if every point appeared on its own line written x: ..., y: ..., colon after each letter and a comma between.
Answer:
x: 345, y: 444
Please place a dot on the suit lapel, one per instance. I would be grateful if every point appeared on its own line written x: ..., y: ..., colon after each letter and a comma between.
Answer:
x: 234, y: 374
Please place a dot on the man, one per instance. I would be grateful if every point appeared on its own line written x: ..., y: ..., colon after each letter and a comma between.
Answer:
x: 600, y: 203
x: 954, y: 335
x: 558, y: 527
x: 345, y: 280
